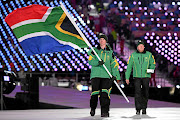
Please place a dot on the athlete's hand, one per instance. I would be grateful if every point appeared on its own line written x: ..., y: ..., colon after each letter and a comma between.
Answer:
x: 118, y: 81
x: 127, y: 81
x: 101, y: 62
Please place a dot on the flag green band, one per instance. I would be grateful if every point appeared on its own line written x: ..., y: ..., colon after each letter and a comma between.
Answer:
x: 51, y: 26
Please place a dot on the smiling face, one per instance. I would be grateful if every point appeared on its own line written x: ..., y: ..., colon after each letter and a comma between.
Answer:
x: 140, y: 48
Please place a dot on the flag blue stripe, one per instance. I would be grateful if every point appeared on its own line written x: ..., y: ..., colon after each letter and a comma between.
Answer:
x: 43, y: 44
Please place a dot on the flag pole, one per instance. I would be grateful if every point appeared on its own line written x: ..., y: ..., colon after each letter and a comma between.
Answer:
x: 87, y: 42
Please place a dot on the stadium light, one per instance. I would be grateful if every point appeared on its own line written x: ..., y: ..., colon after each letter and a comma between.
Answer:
x: 178, y: 86
x: 158, y: 86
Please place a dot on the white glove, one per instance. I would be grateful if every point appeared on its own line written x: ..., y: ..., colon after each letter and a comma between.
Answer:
x: 150, y: 70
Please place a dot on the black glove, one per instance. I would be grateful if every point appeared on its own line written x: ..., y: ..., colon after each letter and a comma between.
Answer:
x: 113, y: 78
x: 101, y: 62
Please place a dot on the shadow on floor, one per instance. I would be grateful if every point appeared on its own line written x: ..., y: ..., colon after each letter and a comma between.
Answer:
x: 139, y: 117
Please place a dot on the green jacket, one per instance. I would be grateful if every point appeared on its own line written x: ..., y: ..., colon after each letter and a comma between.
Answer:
x: 140, y: 62
x: 110, y: 62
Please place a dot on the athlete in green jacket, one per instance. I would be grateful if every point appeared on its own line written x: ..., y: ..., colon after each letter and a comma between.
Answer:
x: 143, y: 64
x: 100, y: 79
x: 109, y: 60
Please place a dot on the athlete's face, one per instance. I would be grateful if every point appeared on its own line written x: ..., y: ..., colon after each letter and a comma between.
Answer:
x: 102, y: 41
x: 140, y: 48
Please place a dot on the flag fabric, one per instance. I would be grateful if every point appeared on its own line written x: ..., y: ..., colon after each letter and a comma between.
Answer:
x: 41, y: 29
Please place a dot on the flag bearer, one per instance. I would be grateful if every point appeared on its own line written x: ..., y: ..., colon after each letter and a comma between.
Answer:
x: 100, y: 79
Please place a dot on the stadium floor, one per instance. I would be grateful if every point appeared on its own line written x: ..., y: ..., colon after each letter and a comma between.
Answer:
x: 83, y: 114
x: 78, y: 103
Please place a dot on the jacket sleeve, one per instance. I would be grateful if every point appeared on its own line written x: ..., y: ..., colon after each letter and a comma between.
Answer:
x: 115, y: 67
x: 152, y: 63
x: 129, y: 67
x: 93, y: 61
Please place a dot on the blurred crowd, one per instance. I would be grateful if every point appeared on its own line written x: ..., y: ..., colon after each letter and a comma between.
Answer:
x: 102, y: 16
x: 106, y: 19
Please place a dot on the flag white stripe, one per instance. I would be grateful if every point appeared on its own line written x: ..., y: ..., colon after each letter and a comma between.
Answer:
x: 43, y: 19
x: 49, y: 34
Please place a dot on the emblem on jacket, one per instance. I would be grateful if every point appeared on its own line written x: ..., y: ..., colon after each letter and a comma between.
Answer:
x: 146, y: 58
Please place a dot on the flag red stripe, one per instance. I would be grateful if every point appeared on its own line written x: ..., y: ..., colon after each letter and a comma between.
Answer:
x: 30, y: 12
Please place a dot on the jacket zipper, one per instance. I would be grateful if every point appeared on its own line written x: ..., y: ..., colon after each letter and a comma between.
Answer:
x: 140, y: 62
x: 141, y: 65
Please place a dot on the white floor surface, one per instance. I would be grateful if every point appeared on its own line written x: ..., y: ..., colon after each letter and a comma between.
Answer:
x: 83, y: 114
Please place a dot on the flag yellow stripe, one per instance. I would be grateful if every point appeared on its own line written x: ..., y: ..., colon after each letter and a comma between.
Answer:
x: 63, y: 31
